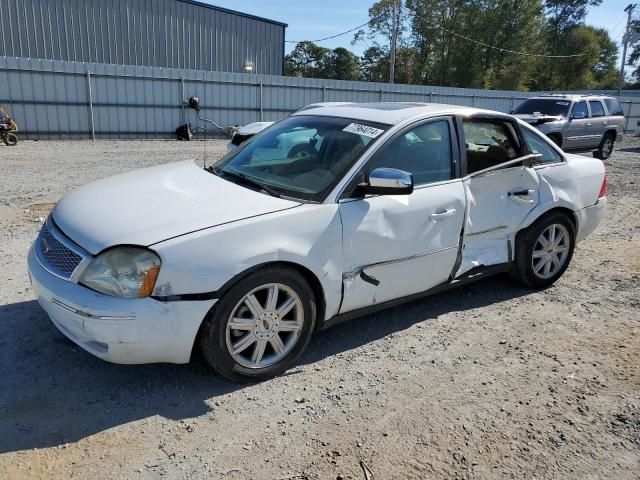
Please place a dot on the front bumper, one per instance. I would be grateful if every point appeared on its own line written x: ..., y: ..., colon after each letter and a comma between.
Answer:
x: 118, y: 330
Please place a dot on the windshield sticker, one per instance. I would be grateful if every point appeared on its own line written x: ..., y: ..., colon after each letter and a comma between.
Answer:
x: 363, y: 130
x: 564, y: 104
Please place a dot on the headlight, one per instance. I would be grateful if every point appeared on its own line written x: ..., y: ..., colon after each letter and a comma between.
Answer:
x: 128, y: 272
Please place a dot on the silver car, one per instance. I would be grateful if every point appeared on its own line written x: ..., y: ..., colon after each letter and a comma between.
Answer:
x: 576, y: 122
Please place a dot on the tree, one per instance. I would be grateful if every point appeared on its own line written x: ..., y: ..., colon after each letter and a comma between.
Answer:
x: 381, y: 26
x: 634, y: 58
x: 343, y: 65
x: 307, y: 60
x: 312, y: 61
x: 375, y: 64
x: 502, y: 44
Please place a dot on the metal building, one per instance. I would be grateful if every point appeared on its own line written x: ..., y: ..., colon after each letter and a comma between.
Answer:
x: 158, y: 33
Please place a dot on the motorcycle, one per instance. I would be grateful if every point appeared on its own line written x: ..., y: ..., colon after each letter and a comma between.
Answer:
x: 8, y: 129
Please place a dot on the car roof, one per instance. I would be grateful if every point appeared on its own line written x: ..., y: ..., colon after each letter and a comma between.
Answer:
x: 570, y: 96
x: 389, y: 113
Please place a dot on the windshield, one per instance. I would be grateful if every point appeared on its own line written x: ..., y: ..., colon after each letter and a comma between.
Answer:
x: 550, y: 106
x: 301, y: 156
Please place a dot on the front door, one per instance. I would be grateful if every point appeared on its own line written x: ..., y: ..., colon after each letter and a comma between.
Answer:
x: 500, y: 192
x: 398, y: 245
x: 577, y: 134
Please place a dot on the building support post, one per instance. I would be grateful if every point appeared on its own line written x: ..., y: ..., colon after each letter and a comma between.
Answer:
x: 90, y: 98
x: 182, y: 100
x: 261, y: 104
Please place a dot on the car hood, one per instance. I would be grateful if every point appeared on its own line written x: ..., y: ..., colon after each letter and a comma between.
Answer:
x: 538, y: 119
x: 253, y: 128
x: 147, y: 206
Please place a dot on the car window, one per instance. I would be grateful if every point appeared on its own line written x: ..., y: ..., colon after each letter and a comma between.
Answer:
x: 614, y: 108
x: 538, y: 145
x: 597, y: 110
x: 580, y: 108
x: 543, y: 106
x: 487, y: 144
x: 423, y: 151
x: 301, y: 156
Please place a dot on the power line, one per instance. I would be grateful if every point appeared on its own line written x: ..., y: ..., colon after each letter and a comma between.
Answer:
x: 478, y: 42
x: 329, y: 38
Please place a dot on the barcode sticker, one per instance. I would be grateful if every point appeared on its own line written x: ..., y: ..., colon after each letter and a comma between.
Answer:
x: 363, y: 130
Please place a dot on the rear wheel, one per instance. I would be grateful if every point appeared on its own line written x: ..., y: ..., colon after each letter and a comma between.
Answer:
x: 544, y: 250
x: 605, y: 148
x: 10, y: 139
x: 260, y: 326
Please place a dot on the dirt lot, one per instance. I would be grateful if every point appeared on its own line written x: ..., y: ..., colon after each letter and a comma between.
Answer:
x: 489, y: 381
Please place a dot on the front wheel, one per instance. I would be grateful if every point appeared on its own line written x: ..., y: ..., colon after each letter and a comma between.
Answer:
x: 10, y: 139
x: 605, y: 149
x: 260, y: 326
x: 544, y: 250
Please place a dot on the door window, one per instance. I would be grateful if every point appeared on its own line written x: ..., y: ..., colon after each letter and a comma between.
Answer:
x: 423, y: 151
x: 487, y: 144
x: 580, y: 110
x: 537, y: 145
x: 597, y: 110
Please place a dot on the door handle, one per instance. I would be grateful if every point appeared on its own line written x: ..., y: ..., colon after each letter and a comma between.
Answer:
x: 515, y: 195
x: 442, y: 214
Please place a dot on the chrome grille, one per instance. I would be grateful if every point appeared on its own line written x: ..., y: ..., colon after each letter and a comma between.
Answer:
x: 53, y: 254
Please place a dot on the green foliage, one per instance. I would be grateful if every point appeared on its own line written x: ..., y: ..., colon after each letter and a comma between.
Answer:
x: 449, y: 43
x: 634, y: 58
x: 311, y: 61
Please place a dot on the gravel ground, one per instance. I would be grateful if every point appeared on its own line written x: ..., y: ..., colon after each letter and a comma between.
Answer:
x: 488, y: 381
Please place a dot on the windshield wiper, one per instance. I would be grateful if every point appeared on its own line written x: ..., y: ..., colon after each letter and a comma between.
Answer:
x: 244, y: 179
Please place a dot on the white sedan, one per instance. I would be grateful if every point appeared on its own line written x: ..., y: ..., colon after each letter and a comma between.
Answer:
x: 247, y: 257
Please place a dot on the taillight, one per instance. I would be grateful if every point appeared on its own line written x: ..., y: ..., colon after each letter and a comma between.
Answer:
x: 603, y: 188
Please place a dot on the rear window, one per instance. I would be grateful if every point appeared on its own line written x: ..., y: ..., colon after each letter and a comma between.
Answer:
x: 543, y: 106
x: 615, y: 110
x: 597, y: 110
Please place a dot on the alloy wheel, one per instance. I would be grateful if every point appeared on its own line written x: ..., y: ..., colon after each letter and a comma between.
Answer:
x: 264, y: 326
x: 607, y: 147
x: 550, y: 251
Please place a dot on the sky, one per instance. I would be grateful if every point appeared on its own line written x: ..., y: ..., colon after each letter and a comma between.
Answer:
x: 312, y: 20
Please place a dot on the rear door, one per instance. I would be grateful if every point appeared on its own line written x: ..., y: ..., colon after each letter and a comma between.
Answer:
x: 398, y: 245
x: 598, y: 124
x: 500, y: 191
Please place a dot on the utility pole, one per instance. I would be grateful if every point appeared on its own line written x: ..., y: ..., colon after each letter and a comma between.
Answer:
x: 394, y: 38
x: 627, y: 36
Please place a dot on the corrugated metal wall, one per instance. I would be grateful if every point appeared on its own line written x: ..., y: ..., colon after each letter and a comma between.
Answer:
x: 159, y: 33
x: 52, y: 99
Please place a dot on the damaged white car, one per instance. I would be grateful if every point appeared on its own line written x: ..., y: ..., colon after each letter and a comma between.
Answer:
x: 249, y: 256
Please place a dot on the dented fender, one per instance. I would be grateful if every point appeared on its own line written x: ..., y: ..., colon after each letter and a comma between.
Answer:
x: 309, y: 236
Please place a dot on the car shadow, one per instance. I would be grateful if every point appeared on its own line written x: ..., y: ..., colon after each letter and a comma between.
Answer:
x: 629, y: 149
x: 52, y: 392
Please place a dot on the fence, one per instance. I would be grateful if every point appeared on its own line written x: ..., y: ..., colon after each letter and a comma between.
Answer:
x: 54, y: 99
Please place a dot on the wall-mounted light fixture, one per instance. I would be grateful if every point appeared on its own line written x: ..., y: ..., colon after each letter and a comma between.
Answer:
x: 248, y: 66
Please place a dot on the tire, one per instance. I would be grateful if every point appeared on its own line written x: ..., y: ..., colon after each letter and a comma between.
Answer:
x: 249, y: 332
x: 10, y: 139
x: 557, y: 139
x: 528, y: 269
x: 605, y: 148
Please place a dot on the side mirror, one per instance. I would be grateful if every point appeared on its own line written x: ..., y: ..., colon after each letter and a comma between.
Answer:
x: 578, y: 116
x: 387, y: 181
